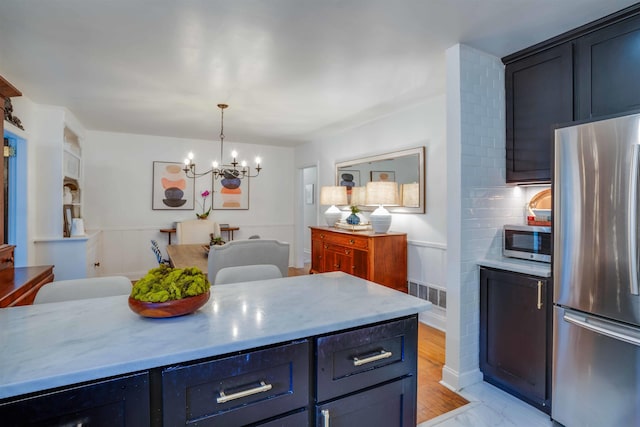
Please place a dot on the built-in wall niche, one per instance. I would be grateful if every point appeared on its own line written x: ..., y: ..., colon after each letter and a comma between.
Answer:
x: 71, y: 183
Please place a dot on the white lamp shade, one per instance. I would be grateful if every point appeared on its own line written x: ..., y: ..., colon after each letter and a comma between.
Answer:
x: 333, y: 195
x: 411, y: 195
x: 382, y: 193
x: 358, y: 196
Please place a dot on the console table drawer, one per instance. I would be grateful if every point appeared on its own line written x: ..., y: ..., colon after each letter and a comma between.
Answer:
x: 347, y: 240
x: 238, y: 390
x: 353, y: 360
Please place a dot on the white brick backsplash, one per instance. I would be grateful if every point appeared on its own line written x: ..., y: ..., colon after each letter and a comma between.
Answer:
x: 486, y: 203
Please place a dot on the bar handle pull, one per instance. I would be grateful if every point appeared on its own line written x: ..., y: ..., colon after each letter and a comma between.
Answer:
x: 383, y: 354
x: 632, y: 222
x: 224, y: 398
x: 539, y: 295
x: 617, y: 332
x: 325, y: 417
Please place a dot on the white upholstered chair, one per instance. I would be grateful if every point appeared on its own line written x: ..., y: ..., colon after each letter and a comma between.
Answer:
x: 246, y: 273
x: 196, y: 231
x: 238, y: 253
x: 91, y: 287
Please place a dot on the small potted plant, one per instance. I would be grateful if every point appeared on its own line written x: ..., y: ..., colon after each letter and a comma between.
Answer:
x: 354, y: 219
x: 216, y: 240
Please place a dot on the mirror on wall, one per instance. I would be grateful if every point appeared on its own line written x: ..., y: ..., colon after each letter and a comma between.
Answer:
x: 406, y: 168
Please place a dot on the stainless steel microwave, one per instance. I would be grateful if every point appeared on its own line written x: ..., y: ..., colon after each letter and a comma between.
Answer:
x: 530, y: 242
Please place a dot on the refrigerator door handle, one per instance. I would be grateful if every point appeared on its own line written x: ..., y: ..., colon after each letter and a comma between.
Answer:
x: 632, y: 222
x: 613, y: 330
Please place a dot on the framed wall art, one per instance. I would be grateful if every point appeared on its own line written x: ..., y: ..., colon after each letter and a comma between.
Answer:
x: 172, y: 190
x: 383, y: 176
x: 231, y: 192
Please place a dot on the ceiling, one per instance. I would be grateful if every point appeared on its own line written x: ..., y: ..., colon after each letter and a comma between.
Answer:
x: 291, y: 70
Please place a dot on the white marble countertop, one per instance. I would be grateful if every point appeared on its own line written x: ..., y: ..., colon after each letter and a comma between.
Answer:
x: 51, y: 345
x: 534, y: 268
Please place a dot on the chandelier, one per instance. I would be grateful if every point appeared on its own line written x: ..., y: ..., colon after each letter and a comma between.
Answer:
x: 235, y: 169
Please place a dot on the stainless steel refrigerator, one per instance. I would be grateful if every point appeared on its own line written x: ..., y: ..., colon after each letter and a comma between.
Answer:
x: 596, y: 337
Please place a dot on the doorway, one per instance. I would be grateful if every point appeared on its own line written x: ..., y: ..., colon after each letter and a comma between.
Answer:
x: 308, y: 212
x: 16, y: 196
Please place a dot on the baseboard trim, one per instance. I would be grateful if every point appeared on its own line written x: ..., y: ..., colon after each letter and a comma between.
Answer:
x: 433, y: 319
x: 456, y: 381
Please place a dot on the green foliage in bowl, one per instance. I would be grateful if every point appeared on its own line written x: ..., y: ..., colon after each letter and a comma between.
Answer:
x: 165, y: 284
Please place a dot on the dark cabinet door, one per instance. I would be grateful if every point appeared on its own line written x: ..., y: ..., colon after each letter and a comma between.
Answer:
x: 117, y: 402
x: 514, y: 334
x: 608, y: 65
x: 539, y: 94
x: 389, y: 405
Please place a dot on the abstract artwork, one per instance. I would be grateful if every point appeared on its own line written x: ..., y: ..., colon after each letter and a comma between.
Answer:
x: 383, y: 176
x: 230, y: 192
x: 172, y: 190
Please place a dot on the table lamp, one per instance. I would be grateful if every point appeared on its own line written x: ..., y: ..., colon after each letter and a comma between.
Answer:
x: 333, y: 195
x: 411, y: 195
x: 381, y: 193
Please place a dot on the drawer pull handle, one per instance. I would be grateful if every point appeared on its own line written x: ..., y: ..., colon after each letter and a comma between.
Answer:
x: 352, y: 241
x: 325, y: 418
x: 382, y: 355
x: 347, y: 251
x: 539, y: 305
x: 326, y: 246
x: 260, y: 389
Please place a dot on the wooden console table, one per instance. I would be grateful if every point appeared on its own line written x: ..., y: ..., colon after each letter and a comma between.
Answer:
x: 19, y: 286
x: 380, y: 258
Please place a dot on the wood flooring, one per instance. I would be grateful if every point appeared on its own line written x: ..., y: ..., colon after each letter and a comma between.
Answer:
x: 433, y: 398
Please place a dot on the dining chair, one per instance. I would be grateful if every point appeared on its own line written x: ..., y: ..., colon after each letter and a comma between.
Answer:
x: 158, y: 253
x: 91, y: 287
x: 247, y: 253
x: 246, y: 273
x: 196, y: 231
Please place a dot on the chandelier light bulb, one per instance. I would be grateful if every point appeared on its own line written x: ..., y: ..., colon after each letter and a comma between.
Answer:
x: 190, y: 155
x: 214, y: 164
x: 234, y: 154
x: 243, y: 164
x: 187, y: 162
x: 258, y: 160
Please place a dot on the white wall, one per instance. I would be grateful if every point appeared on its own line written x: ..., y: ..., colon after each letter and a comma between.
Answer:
x: 416, y: 125
x: 479, y: 203
x: 118, y: 186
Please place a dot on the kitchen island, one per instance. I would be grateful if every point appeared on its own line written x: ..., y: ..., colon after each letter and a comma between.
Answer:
x: 333, y: 335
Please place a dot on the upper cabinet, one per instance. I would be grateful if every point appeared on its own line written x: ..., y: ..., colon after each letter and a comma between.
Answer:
x: 539, y: 93
x: 582, y: 74
x: 607, y: 69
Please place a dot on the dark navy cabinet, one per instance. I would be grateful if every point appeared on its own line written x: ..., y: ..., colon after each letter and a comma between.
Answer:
x: 582, y: 74
x: 515, y: 334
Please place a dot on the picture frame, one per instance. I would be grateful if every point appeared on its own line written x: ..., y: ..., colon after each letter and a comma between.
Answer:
x: 308, y: 194
x: 349, y: 179
x: 231, y: 193
x: 171, y: 188
x: 389, y: 176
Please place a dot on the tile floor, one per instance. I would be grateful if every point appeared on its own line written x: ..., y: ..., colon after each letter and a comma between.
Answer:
x: 490, y: 407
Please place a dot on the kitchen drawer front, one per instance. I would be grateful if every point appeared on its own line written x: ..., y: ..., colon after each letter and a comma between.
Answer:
x: 357, y: 359
x: 299, y: 419
x: 238, y: 390
x: 348, y: 240
x: 123, y: 401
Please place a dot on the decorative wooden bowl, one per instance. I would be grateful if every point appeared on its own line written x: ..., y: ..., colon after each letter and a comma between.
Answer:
x: 172, y: 308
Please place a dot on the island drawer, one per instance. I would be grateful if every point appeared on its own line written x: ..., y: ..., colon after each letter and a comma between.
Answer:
x: 238, y: 390
x: 121, y: 401
x: 353, y: 360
